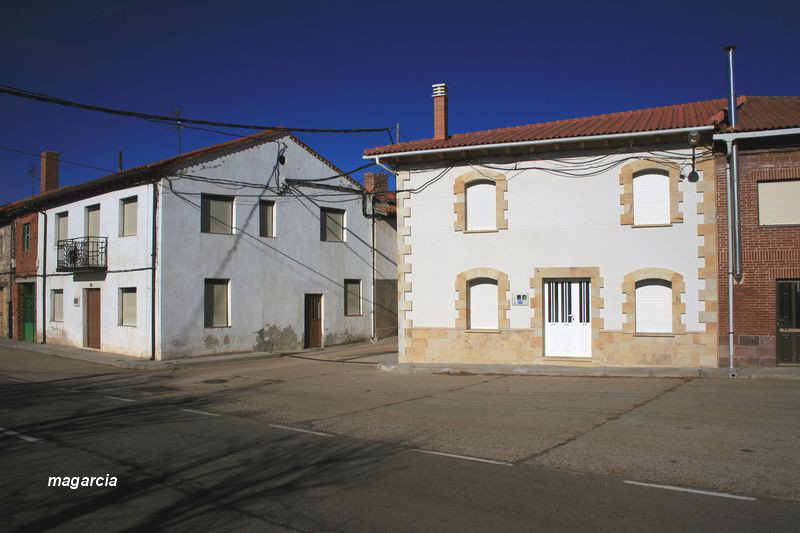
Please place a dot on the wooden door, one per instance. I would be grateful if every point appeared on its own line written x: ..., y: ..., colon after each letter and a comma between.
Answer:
x: 93, y: 318
x: 788, y: 322
x: 313, y: 322
x: 28, y: 312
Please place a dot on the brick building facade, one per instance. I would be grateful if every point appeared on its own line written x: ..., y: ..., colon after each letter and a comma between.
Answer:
x: 26, y: 233
x: 769, y: 252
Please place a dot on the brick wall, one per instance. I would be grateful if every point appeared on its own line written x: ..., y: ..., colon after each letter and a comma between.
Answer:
x: 769, y: 253
x: 26, y: 262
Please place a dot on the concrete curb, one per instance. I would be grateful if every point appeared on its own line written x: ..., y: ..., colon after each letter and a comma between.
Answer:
x: 132, y: 363
x: 781, y: 374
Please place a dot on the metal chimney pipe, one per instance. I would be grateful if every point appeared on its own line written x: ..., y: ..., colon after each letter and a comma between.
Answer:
x: 731, y: 94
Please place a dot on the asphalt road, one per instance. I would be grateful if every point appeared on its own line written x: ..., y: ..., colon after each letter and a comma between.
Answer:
x: 182, y: 466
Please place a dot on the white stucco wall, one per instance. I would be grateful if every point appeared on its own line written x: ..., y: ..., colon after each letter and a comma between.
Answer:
x: 553, y: 221
x: 268, y: 276
x: 128, y: 260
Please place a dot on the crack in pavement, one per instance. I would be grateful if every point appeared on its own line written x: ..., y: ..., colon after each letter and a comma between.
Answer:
x: 603, y: 423
x: 408, y: 400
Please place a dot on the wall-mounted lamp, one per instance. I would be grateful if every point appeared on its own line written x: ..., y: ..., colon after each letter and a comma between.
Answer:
x: 694, y: 140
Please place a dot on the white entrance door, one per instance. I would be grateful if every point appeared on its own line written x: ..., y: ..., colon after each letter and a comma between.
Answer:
x: 567, y: 318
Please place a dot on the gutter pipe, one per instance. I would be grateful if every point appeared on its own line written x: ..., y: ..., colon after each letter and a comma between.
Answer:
x: 153, y: 274
x: 44, y: 280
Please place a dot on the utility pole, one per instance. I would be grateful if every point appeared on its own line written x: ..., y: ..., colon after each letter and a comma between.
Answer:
x: 32, y: 176
x: 398, y: 132
x: 178, y: 123
x: 119, y: 161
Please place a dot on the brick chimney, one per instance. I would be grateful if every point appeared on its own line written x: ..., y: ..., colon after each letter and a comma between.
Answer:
x: 377, y: 183
x: 440, y: 111
x: 49, y: 178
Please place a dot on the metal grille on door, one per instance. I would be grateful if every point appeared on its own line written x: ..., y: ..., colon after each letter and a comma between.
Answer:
x: 567, y: 307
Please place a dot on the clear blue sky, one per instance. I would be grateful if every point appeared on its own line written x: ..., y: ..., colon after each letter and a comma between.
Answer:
x: 358, y: 64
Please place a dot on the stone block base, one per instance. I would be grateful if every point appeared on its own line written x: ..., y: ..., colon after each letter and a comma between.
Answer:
x: 749, y: 351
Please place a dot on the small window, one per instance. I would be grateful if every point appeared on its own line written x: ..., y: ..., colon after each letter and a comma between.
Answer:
x: 217, y: 313
x: 481, y: 206
x: 653, y: 306
x: 127, y: 306
x: 779, y: 203
x: 26, y: 236
x: 216, y: 214
x: 482, y: 304
x: 651, y: 202
x: 352, y: 299
x: 332, y: 224
x: 62, y: 227
x: 128, y: 208
x: 57, y: 305
x: 266, y: 215
x: 93, y: 221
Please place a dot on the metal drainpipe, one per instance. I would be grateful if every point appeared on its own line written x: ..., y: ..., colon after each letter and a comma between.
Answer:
x: 731, y: 369
x: 44, y: 280
x: 153, y: 275
x: 372, y: 306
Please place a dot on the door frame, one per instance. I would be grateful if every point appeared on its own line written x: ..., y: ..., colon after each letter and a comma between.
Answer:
x: 545, y: 306
x: 306, y: 330
x: 777, y: 328
x: 23, y: 285
x: 85, y: 297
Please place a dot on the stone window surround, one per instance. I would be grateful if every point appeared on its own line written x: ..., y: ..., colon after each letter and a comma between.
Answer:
x: 629, y: 305
x: 537, y: 301
x: 630, y: 171
x: 503, y: 302
x: 460, y: 192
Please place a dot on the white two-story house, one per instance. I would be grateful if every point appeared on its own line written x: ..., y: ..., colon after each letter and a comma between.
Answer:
x: 230, y: 248
x: 580, y: 242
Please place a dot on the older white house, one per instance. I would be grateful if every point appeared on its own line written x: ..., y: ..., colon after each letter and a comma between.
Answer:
x: 589, y: 241
x: 229, y: 248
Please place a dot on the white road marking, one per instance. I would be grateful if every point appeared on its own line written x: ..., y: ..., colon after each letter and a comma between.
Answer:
x: 467, y: 457
x: 301, y: 430
x: 693, y: 491
x: 118, y: 398
x: 199, y: 412
x: 11, y: 433
x: 18, y: 380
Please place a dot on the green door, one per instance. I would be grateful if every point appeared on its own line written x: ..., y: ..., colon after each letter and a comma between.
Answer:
x: 28, y: 312
x: 789, y: 322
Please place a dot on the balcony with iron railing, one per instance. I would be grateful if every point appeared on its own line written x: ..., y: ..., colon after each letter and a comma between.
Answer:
x: 82, y: 254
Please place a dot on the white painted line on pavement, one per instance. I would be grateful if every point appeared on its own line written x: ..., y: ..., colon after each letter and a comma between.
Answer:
x: 301, y: 430
x: 199, y: 412
x: 693, y: 491
x: 11, y: 433
x: 467, y: 457
x: 18, y: 380
x: 118, y: 398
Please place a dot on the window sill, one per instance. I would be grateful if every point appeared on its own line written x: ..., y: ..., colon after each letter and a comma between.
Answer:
x: 651, y: 225
x: 638, y: 334
x: 127, y: 325
x: 124, y: 236
x: 483, y: 331
x: 216, y: 233
x: 359, y: 314
x: 566, y: 358
x: 467, y: 231
x: 216, y: 327
x: 267, y: 236
x: 333, y: 242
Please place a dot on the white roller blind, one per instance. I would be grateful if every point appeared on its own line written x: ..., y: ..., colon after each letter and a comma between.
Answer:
x: 653, y: 307
x: 62, y: 221
x: 93, y: 221
x: 216, y: 303
x: 779, y: 203
x: 130, y: 206
x: 483, y: 304
x: 58, y: 305
x: 333, y: 225
x: 481, y: 206
x: 352, y: 297
x: 265, y: 214
x: 219, y: 214
x: 128, y: 307
x: 651, y: 199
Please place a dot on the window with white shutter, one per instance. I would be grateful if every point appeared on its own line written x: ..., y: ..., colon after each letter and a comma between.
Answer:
x: 62, y: 227
x: 128, y: 211
x: 482, y: 304
x: 651, y: 202
x: 352, y: 297
x: 93, y: 221
x: 779, y: 203
x: 127, y: 306
x: 58, y: 306
x: 653, y: 306
x: 481, y: 206
x: 216, y: 214
x: 217, y: 311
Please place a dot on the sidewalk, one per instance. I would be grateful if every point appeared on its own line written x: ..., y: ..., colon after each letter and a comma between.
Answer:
x: 778, y: 373
x: 363, y: 352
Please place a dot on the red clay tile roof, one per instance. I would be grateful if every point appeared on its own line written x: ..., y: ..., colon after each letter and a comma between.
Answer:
x: 755, y: 113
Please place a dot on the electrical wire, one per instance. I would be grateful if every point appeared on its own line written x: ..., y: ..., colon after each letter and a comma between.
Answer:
x: 30, y: 95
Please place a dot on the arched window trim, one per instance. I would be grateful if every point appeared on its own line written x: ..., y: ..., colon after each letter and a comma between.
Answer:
x: 637, y: 168
x: 463, y: 281
x: 629, y: 305
x: 501, y: 204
